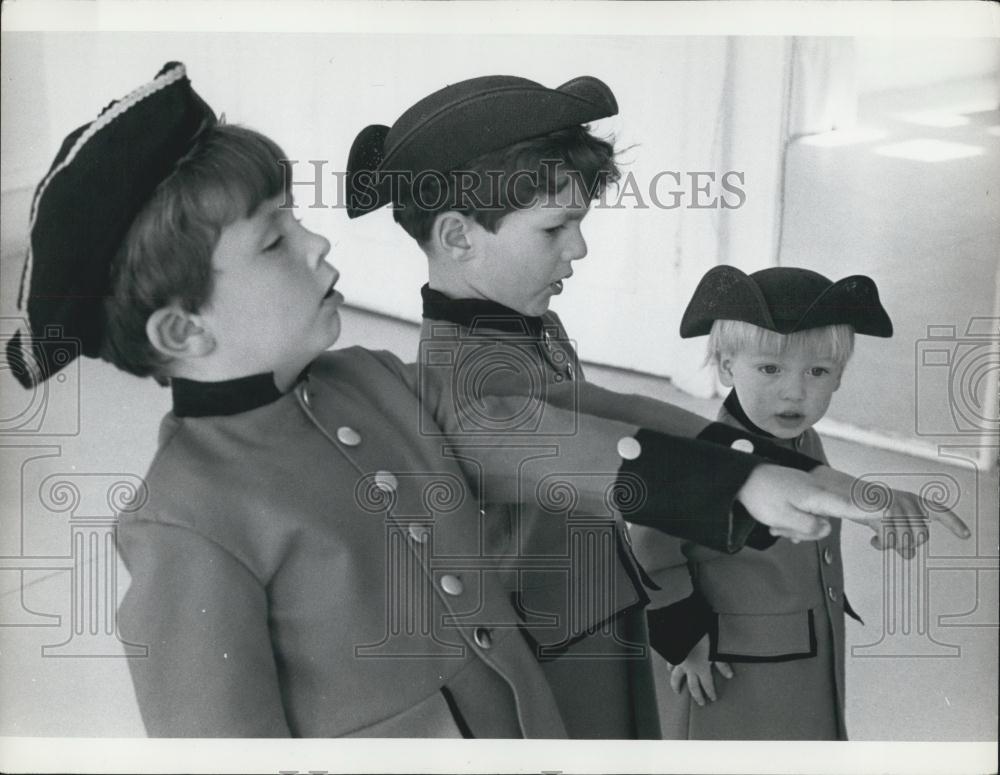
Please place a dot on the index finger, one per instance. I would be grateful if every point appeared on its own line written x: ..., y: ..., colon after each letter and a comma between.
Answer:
x: 833, y: 506
x: 951, y: 521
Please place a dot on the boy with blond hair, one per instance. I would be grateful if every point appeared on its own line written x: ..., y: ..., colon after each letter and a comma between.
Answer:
x: 771, y: 623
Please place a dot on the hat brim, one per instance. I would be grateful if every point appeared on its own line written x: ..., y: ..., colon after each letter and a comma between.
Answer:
x: 853, y: 300
x: 462, y: 122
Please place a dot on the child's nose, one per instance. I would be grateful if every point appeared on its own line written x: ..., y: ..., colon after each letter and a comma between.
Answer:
x: 319, y: 248
x: 577, y: 247
x: 793, y: 387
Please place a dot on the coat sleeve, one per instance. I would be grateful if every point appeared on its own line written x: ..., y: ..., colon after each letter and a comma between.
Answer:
x: 210, y: 670
x: 520, y: 437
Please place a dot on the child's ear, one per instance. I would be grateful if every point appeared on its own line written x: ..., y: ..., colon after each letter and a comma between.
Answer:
x: 725, y: 366
x: 177, y: 333
x: 450, y: 235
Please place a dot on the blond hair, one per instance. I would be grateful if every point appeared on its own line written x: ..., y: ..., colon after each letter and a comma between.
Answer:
x: 732, y: 336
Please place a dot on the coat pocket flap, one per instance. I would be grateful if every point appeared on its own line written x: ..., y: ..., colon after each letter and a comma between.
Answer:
x: 763, y: 637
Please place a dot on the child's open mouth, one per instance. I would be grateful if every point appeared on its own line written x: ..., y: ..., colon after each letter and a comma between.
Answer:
x: 557, y: 286
x: 790, y: 418
x: 330, y: 291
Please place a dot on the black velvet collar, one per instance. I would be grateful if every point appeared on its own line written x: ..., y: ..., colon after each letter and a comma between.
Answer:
x: 478, y: 314
x: 733, y: 406
x: 218, y: 399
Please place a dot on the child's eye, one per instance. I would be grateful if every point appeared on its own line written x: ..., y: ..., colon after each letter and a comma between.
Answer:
x: 275, y: 244
x: 819, y: 371
x: 768, y: 368
x: 555, y: 229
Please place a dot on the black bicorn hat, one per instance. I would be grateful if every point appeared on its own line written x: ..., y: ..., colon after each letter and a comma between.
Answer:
x: 461, y: 122
x: 785, y: 299
x: 104, y: 174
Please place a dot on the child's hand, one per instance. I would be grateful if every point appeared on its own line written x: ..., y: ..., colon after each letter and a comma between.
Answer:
x: 903, y: 526
x: 905, y: 519
x: 696, y: 670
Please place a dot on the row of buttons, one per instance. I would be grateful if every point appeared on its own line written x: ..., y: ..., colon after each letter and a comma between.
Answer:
x: 451, y: 584
x: 388, y: 482
x: 745, y: 445
x: 558, y: 355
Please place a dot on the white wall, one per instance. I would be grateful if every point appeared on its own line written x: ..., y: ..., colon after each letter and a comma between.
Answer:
x: 314, y: 92
x: 902, y: 63
x: 688, y: 104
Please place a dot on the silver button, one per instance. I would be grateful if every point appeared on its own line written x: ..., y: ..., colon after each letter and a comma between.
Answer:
x: 742, y: 445
x: 482, y: 513
x: 483, y: 638
x: 386, y: 481
x: 828, y: 556
x: 419, y: 533
x: 305, y: 397
x: 452, y: 585
x: 348, y: 436
x: 831, y: 593
x: 629, y: 448
x: 570, y: 372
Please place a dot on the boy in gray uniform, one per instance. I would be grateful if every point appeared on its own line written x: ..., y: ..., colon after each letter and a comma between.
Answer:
x: 771, y: 622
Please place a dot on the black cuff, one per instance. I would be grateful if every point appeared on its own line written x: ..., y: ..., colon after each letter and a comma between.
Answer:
x: 686, y: 488
x: 675, y: 629
x: 718, y: 433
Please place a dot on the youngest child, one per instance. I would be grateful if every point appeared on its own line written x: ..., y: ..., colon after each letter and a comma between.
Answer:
x: 780, y: 338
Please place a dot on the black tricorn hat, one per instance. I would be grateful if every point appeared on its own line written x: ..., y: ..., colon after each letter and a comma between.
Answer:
x: 784, y: 299
x: 461, y: 122
x: 103, y: 175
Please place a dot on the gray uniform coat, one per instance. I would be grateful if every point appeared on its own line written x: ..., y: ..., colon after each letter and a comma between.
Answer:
x: 778, y: 617
x: 297, y: 570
